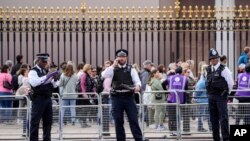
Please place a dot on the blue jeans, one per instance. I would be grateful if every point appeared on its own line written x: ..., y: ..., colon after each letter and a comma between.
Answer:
x: 72, y: 108
x: 111, y: 119
x: 203, y: 112
x: 5, y: 103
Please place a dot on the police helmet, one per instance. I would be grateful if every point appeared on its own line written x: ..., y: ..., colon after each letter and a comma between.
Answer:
x: 213, y: 53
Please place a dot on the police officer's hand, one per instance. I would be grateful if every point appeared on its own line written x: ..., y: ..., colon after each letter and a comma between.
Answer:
x: 137, y: 88
x: 115, y: 64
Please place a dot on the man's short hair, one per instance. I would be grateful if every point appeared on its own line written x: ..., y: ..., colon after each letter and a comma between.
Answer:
x: 148, y: 62
x: 178, y: 70
x: 9, y: 63
x: 19, y: 58
x: 246, y: 49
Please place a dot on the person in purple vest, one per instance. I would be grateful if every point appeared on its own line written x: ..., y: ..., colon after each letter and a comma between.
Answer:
x: 219, y: 83
x: 176, y: 82
x: 244, y: 96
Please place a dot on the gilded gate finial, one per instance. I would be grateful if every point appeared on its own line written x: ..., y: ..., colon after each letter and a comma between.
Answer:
x: 83, y: 7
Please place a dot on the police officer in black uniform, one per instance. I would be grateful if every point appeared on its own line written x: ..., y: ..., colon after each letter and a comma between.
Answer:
x: 219, y: 83
x: 125, y: 82
x: 41, y: 98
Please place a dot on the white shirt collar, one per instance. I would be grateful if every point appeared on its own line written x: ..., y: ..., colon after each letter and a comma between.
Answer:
x: 38, y: 67
x: 216, y: 66
x: 123, y: 66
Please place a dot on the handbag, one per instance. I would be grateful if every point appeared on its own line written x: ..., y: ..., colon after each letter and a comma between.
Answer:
x: 7, y: 84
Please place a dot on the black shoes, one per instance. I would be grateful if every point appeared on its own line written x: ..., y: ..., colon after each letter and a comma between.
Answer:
x: 202, y: 130
x: 106, y: 134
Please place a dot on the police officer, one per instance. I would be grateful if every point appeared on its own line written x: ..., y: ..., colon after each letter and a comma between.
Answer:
x: 41, y: 98
x: 125, y: 81
x: 244, y: 96
x: 219, y: 83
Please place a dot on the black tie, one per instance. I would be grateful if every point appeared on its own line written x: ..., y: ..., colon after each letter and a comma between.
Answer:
x: 213, y: 69
x: 43, y: 71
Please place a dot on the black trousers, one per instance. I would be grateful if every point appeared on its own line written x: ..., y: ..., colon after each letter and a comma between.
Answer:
x: 219, y: 116
x: 125, y: 102
x: 41, y: 109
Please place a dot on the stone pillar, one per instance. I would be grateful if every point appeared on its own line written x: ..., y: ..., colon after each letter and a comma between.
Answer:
x: 224, y: 38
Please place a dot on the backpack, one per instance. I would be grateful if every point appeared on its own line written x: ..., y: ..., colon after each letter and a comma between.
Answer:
x: 99, y: 84
x: 14, y: 82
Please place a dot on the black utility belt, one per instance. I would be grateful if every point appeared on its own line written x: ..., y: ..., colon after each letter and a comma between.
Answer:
x: 122, y: 93
x: 44, y: 95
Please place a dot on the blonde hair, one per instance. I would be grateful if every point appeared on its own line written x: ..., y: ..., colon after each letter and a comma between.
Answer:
x: 184, y: 66
x: 204, y: 70
x: 201, y: 63
x: 87, y: 67
x: 172, y: 66
x: 136, y: 66
x: 190, y: 63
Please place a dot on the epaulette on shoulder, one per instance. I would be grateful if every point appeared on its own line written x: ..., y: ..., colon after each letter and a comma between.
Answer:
x: 221, y: 67
x: 33, y: 68
x: 130, y: 66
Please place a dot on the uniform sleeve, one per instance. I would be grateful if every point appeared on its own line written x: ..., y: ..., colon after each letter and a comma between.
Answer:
x: 135, y: 77
x: 226, y: 73
x: 34, y: 79
x: 107, y: 85
x: 108, y: 72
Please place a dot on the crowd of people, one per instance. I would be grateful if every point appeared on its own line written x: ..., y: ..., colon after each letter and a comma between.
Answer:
x: 84, y: 78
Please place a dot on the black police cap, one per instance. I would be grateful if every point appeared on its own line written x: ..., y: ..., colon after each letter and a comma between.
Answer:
x: 121, y: 52
x: 43, y: 56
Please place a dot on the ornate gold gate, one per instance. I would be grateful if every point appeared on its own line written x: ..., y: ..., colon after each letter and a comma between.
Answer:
x: 91, y: 35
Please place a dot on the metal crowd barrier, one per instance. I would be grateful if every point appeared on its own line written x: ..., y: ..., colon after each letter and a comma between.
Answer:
x: 195, y: 115
x: 18, y: 119
x: 79, y: 114
x: 150, y: 130
x: 14, y: 122
x: 56, y: 126
x: 235, y: 114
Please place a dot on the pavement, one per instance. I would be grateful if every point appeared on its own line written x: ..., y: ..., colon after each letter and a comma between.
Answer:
x: 13, y: 132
